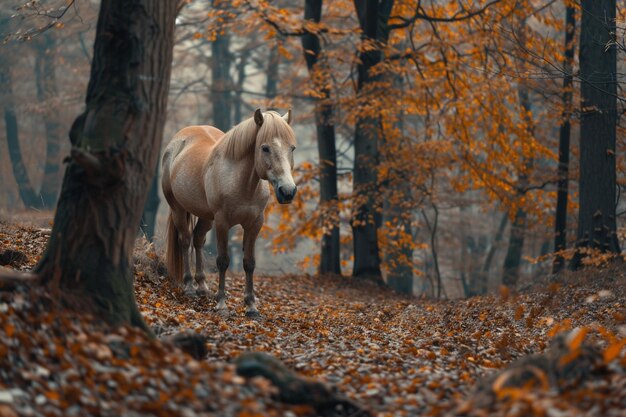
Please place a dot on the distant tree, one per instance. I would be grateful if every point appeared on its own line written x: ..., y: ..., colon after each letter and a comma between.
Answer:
x: 330, y: 261
x: 598, y: 75
x: 221, y: 81
x: 27, y: 193
x: 373, y: 20
x: 115, y: 146
x: 47, y: 92
x: 560, y: 223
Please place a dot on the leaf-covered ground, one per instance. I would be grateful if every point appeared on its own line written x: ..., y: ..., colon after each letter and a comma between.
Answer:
x: 393, y: 355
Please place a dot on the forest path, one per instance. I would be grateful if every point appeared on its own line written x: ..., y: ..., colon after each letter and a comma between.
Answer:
x: 394, y: 355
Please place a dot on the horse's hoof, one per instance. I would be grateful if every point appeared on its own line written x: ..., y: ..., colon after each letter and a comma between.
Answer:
x: 203, y: 289
x: 223, y: 312
x: 253, y: 314
x: 189, y: 291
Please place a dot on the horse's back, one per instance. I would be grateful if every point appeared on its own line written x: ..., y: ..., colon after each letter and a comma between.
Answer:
x: 183, y: 165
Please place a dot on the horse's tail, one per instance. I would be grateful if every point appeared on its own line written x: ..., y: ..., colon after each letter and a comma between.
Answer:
x: 174, y: 252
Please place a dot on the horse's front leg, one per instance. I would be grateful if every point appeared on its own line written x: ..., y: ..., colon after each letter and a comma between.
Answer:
x: 199, y: 238
x: 250, y: 234
x: 223, y: 260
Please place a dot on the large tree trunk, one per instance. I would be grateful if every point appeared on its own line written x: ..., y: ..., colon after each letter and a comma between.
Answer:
x: 366, y: 219
x: 560, y: 223
x: 27, y: 193
x: 115, y: 150
x: 596, y: 213
x: 47, y: 91
x: 329, y: 259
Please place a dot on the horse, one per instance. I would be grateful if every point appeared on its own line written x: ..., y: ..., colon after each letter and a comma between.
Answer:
x: 211, y: 178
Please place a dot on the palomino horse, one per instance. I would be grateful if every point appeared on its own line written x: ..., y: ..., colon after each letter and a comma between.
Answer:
x: 222, y: 179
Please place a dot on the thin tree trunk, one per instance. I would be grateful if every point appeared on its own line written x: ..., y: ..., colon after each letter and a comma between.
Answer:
x: 221, y: 85
x: 47, y: 90
x: 115, y: 151
x: 513, y: 258
x: 241, y: 78
x: 596, y: 213
x: 494, y: 246
x: 27, y: 193
x: 560, y: 223
x: 271, y: 88
x: 151, y: 208
x: 330, y: 245
x: 366, y: 219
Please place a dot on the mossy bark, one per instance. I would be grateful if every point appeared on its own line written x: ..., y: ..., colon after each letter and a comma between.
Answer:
x: 114, y: 154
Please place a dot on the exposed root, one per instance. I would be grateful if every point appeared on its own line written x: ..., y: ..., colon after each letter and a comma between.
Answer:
x: 10, y: 279
x: 294, y: 389
x: 189, y: 342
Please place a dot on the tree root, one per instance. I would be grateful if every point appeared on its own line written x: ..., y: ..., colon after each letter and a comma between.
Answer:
x: 294, y: 389
x: 192, y: 343
x: 11, y: 279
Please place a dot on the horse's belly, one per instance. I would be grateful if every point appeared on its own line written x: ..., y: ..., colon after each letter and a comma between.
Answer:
x: 188, y: 190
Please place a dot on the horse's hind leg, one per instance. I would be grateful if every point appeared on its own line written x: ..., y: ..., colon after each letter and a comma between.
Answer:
x: 181, y: 221
x: 199, y: 238
x: 223, y: 260
x: 250, y: 233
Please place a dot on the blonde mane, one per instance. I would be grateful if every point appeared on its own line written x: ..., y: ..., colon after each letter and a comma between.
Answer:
x: 243, y: 138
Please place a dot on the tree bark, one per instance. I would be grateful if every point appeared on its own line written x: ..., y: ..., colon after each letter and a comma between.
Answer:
x: 560, y: 223
x: 221, y: 85
x: 241, y: 78
x: 27, y: 193
x: 151, y: 208
x: 513, y: 258
x: 596, y: 213
x: 47, y: 90
x: 115, y: 150
x: 330, y: 261
x: 366, y: 219
x: 271, y: 87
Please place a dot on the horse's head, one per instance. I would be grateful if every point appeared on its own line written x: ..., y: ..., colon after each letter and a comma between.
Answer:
x: 274, y: 153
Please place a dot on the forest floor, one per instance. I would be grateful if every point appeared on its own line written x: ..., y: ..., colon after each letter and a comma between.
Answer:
x: 392, y: 355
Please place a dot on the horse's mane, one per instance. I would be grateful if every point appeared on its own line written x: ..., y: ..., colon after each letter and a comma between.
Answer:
x: 241, y: 139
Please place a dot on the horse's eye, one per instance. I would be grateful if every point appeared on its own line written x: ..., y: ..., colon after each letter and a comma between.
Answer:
x: 265, y: 148
x: 293, y: 148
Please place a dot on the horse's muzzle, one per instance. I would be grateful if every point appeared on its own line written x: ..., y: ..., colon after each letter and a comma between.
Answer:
x: 285, y: 194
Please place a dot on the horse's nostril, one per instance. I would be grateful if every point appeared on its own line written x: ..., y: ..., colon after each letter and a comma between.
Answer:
x: 284, y: 193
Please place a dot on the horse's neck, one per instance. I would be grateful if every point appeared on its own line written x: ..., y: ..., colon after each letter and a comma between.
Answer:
x: 249, y: 174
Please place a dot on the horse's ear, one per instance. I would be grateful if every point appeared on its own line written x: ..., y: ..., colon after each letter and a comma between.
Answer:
x: 258, y: 117
x: 287, y: 117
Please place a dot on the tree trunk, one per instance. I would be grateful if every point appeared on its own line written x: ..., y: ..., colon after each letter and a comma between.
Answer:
x: 115, y: 151
x: 46, y: 91
x: 27, y: 193
x: 596, y: 213
x: 271, y: 88
x: 560, y: 223
x: 330, y: 247
x: 513, y: 258
x: 151, y: 208
x: 241, y: 78
x: 221, y: 85
x: 494, y: 246
x: 366, y: 219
